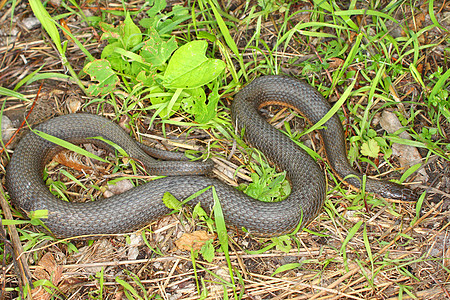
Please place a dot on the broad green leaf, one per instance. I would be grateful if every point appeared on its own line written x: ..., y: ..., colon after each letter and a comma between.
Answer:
x: 207, y: 251
x: 282, y: 243
x: 110, y: 49
x: 110, y: 32
x: 370, y: 148
x: 156, y: 51
x: 114, y: 57
x: 195, y: 96
x: 189, y: 67
x: 130, y: 33
x: 147, y: 78
x: 100, y: 70
x: 196, y: 104
x: 199, y: 212
x: 171, y: 202
x: 156, y: 7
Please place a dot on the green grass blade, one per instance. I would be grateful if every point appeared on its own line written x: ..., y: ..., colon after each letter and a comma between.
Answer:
x: 68, y: 145
x: 418, y: 209
x: 368, y: 12
x: 367, y: 245
x: 77, y: 42
x: 228, y: 39
x: 349, y: 60
x: 286, y: 267
x: 334, y: 109
x: 129, y: 288
x: 74, y: 179
x: 350, y: 235
x: 440, y: 84
x: 10, y: 93
x: 27, y: 78
x: 334, y: 9
x: 365, y: 120
x: 432, y: 15
x: 47, y: 22
x: 222, y: 233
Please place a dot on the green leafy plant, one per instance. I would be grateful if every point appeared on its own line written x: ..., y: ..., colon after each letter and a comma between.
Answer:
x: 267, y: 184
x: 173, y: 76
x: 439, y: 95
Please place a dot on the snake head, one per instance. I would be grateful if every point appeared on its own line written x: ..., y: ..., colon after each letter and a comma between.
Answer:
x: 392, y: 190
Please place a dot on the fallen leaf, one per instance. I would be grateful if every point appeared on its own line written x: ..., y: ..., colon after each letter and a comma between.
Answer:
x: 407, y: 155
x: 64, y: 24
x: 194, y: 240
x: 136, y: 241
x: 47, y: 269
x: 415, y: 23
x: 71, y: 160
x: 119, y: 187
x: 73, y: 104
x: 335, y: 62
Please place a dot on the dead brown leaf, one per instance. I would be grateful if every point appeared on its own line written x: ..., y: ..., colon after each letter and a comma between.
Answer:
x: 71, y: 160
x: 47, y: 269
x: 64, y: 24
x: 446, y: 262
x: 194, y: 240
x: 335, y: 62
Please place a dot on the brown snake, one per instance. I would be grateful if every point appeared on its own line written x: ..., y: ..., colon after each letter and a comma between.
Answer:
x: 143, y: 204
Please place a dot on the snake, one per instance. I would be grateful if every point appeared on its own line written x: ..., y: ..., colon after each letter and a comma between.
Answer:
x: 142, y: 205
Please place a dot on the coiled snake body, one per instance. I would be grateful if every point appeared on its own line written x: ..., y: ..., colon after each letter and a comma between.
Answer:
x: 143, y: 204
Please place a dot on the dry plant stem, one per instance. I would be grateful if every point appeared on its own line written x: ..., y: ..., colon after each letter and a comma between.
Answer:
x: 435, y: 190
x: 354, y: 270
x: 21, y: 262
x: 7, y: 249
x: 309, y: 286
x: 239, y: 260
x: 426, y: 294
x: 24, y: 121
x: 398, y: 236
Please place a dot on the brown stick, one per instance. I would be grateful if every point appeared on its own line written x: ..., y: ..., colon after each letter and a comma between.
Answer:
x: 24, y: 121
x: 19, y: 260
